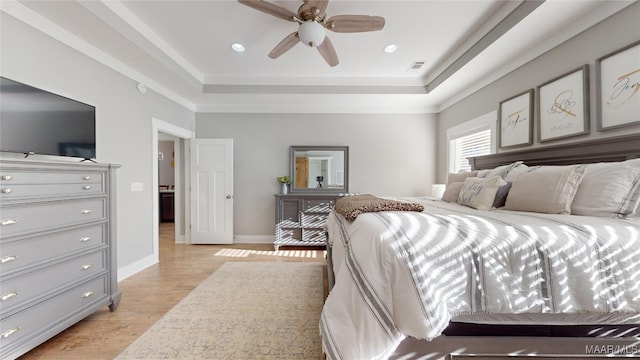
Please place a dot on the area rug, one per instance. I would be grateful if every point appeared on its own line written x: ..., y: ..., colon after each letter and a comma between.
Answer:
x: 244, y: 310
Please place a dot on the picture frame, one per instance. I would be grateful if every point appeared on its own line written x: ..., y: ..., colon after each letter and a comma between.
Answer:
x: 617, y: 81
x: 515, y: 120
x: 563, y: 105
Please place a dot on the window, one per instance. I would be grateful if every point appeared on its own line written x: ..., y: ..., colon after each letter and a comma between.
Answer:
x: 474, y: 137
x: 475, y: 144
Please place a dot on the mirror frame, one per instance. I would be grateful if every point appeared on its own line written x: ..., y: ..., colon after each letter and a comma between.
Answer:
x: 292, y: 162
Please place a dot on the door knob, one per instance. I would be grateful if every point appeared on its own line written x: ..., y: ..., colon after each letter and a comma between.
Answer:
x: 229, y: 196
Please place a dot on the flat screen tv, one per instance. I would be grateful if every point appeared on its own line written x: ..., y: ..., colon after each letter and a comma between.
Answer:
x: 35, y: 121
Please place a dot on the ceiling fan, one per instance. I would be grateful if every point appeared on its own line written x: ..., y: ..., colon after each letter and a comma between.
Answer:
x: 313, y: 24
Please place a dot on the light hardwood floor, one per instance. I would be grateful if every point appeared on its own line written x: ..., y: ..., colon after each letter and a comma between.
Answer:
x: 149, y: 294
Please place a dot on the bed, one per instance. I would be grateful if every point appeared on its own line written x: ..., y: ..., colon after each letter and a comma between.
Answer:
x: 453, y: 281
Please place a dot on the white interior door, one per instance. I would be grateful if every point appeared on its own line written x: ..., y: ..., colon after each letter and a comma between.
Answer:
x: 211, y: 191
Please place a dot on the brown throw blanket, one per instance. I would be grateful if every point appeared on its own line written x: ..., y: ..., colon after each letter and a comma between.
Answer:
x: 352, y: 206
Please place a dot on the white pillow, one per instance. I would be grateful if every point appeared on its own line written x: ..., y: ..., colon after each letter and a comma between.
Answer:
x: 479, y: 193
x: 501, y: 171
x: 452, y: 191
x: 549, y: 189
x: 455, y: 177
x: 516, y: 171
x: 609, y: 189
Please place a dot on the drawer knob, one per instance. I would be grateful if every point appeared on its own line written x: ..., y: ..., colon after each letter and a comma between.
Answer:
x: 87, y: 294
x: 6, y: 177
x: 5, y: 222
x: 86, y: 177
x: 6, y: 259
x: 86, y: 266
x: 6, y: 191
x: 86, y: 211
x: 9, y: 332
x: 85, y: 238
x: 8, y: 296
x: 86, y: 187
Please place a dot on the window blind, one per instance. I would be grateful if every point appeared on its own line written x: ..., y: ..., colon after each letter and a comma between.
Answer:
x: 475, y: 144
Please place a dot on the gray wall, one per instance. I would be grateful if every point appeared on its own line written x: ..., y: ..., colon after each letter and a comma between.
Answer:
x: 597, y: 41
x: 123, y: 120
x: 388, y: 155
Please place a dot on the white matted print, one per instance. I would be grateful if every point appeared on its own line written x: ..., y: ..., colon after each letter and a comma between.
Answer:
x: 618, y: 88
x: 563, y: 105
x: 515, y: 120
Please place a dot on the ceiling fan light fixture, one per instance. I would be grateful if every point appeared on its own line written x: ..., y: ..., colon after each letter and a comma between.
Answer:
x: 311, y: 33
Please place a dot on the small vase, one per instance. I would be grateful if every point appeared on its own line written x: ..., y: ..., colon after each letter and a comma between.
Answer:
x: 284, y: 189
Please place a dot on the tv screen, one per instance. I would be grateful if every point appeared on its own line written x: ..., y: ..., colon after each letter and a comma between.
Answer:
x: 35, y: 121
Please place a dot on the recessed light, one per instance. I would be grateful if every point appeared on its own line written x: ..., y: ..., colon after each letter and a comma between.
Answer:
x: 237, y: 47
x: 390, y: 48
x: 142, y: 89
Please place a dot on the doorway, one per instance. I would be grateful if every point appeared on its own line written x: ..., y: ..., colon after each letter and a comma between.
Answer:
x: 180, y: 137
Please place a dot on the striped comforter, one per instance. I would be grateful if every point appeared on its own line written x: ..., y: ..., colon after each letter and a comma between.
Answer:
x: 407, y: 274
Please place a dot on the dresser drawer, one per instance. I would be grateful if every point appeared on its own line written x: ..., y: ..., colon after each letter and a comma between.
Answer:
x: 21, y: 327
x: 21, y: 191
x: 10, y: 177
x: 313, y: 220
x: 317, y: 236
x: 26, y: 219
x: 318, y: 206
x: 20, y: 254
x: 16, y: 291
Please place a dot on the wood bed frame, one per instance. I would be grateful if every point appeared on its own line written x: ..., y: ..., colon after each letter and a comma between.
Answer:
x: 606, y: 345
x: 617, y: 148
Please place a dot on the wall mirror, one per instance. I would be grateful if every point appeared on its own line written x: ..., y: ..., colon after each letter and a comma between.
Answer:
x: 321, y: 169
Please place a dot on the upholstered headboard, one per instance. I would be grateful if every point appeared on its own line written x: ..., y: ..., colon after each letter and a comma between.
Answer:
x: 617, y: 148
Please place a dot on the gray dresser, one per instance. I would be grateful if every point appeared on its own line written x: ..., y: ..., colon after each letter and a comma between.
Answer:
x: 57, y: 248
x: 300, y: 219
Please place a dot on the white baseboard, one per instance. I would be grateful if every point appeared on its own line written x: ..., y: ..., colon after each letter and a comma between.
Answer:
x: 136, y: 267
x: 253, y: 239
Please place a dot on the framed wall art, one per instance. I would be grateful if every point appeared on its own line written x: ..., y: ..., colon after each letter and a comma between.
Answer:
x: 618, y: 88
x: 515, y: 120
x: 563, y: 105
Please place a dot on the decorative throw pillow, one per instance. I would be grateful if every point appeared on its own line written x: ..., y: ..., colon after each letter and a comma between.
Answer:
x: 501, y: 195
x: 549, y: 190
x: 609, y: 189
x: 455, y: 177
x: 479, y: 193
x: 452, y: 191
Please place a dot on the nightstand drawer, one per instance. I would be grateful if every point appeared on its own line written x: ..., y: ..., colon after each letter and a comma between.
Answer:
x: 25, y: 219
x: 14, y: 292
x: 19, y: 254
x: 25, y: 325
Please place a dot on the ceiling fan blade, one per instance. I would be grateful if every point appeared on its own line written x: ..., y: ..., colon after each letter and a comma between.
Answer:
x: 355, y: 23
x: 269, y: 8
x: 320, y: 4
x: 328, y: 52
x: 285, y: 45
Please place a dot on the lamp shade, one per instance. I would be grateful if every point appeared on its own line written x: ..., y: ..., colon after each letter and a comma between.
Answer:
x: 437, y: 190
x: 311, y: 33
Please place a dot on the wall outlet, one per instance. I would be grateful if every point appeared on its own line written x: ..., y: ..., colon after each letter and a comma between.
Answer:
x: 137, y: 186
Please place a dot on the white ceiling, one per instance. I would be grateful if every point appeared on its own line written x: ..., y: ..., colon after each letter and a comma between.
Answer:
x: 181, y: 49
